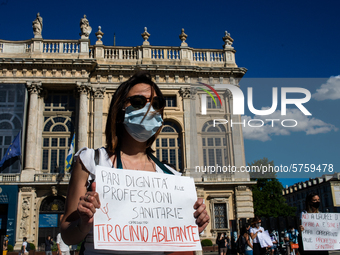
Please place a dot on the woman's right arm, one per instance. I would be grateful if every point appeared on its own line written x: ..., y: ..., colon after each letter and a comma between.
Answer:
x: 80, y: 206
x: 253, y: 235
x: 248, y: 241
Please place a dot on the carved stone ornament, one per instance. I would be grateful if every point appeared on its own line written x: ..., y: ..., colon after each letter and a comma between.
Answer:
x: 99, y: 93
x: 228, y: 41
x: 99, y: 35
x: 34, y: 87
x: 146, y: 36
x: 85, y: 28
x: 37, y: 25
x: 185, y: 92
x: 242, y: 188
x: 26, y: 189
x: 228, y: 94
x: 83, y: 88
x: 54, y: 191
x: 24, y: 222
x: 183, y: 36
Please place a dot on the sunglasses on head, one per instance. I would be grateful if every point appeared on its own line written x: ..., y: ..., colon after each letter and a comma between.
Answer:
x: 140, y: 101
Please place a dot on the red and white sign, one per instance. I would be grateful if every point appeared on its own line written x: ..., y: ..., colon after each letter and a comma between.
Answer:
x: 321, y: 231
x: 145, y: 211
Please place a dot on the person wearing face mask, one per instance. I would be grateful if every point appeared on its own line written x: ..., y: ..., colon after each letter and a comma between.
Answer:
x: 254, y: 230
x: 134, y: 120
x: 291, y: 238
x: 312, y: 205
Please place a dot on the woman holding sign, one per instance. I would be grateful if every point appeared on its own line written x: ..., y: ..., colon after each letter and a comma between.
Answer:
x: 254, y: 230
x: 312, y: 204
x: 134, y: 120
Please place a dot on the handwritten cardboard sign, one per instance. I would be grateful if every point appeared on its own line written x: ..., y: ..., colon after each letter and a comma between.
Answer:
x: 145, y: 211
x: 321, y: 231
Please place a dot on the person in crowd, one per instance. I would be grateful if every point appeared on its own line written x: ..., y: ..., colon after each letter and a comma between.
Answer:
x: 274, y: 239
x: 23, y: 250
x: 5, y: 245
x: 227, y: 239
x: 291, y: 237
x: 134, y: 121
x: 254, y: 230
x: 233, y: 240
x: 73, y: 249
x: 312, y: 204
x: 249, y: 241
x: 222, y: 244
x: 48, y: 245
x: 63, y: 248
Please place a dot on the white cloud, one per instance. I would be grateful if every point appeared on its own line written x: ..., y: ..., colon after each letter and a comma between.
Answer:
x: 329, y: 90
x: 307, y: 124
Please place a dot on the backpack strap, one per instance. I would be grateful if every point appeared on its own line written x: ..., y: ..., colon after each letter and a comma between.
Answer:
x: 119, y: 160
x: 96, y: 163
x: 161, y: 165
x: 96, y: 157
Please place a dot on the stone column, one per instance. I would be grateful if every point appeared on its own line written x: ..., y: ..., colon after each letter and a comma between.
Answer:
x: 190, y: 130
x: 31, y: 142
x: 238, y: 144
x: 98, y: 117
x: 83, y: 90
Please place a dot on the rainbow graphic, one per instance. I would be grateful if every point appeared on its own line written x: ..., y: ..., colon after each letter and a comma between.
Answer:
x: 213, y: 90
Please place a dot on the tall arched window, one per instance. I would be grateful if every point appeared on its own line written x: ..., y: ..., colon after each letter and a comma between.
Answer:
x: 12, y: 101
x: 10, y: 126
x: 214, y: 144
x: 57, y: 132
x: 168, y: 145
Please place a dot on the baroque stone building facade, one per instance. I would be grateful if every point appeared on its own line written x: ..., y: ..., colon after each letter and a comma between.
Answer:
x: 51, y: 89
x: 326, y: 186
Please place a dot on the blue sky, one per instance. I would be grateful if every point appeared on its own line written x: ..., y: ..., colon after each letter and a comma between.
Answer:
x: 273, y: 39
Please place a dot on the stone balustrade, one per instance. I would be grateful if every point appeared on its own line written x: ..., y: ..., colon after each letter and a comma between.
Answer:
x: 15, y: 46
x: 310, y: 183
x: 58, y: 49
x: 52, y: 177
x: 9, y: 177
x: 64, y: 46
x: 225, y: 177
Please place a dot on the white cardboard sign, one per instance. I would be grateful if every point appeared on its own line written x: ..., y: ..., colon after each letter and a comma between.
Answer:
x: 321, y: 231
x: 264, y: 239
x: 145, y: 211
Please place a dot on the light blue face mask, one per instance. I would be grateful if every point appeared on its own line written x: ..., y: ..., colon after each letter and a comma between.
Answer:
x: 142, y: 131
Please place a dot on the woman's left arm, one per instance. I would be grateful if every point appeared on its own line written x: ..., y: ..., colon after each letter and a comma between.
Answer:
x: 201, y: 215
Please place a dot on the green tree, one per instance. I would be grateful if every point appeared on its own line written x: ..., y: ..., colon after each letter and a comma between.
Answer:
x: 267, y: 195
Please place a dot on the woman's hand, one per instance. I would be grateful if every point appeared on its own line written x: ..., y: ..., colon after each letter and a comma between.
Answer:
x: 301, y: 228
x: 201, y: 215
x: 87, y: 207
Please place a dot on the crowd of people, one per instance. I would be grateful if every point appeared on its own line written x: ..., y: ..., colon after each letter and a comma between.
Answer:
x: 289, y: 242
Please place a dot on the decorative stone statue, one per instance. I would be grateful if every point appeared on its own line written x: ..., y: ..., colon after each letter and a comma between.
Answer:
x: 228, y: 41
x: 37, y: 25
x: 85, y: 28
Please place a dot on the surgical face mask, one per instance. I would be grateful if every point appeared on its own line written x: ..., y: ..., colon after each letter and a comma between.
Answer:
x: 258, y: 224
x: 140, y: 130
x: 316, y: 204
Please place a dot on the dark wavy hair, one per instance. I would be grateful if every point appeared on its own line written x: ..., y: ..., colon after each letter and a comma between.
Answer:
x: 114, y: 123
x: 309, y: 200
x: 255, y: 220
